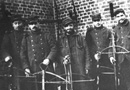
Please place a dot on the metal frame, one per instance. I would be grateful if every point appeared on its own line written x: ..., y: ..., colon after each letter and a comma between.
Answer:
x: 67, y: 80
x: 115, y: 63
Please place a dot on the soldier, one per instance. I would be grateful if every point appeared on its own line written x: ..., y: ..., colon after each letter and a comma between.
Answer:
x: 11, y: 48
x: 5, y: 24
x: 73, y: 50
x: 122, y: 32
x: 38, y: 47
x: 98, y: 38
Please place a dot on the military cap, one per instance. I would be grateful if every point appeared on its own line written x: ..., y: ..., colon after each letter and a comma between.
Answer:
x: 96, y: 17
x: 33, y: 20
x: 66, y: 21
x: 17, y: 17
x: 120, y: 10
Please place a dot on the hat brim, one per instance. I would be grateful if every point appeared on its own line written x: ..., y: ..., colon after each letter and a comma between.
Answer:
x: 18, y: 19
x: 67, y: 23
x: 32, y: 22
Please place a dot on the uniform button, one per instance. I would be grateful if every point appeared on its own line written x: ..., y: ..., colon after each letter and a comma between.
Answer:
x: 41, y: 43
x: 96, y: 33
x: 31, y: 40
x: 33, y: 49
x: 40, y: 39
x: 42, y: 48
x: 34, y: 54
x: 32, y: 45
x: 35, y: 60
x: 42, y: 53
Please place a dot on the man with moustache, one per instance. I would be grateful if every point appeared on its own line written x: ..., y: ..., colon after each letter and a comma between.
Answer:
x: 98, y: 38
x: 38, y: 47
x: 11, y: 50
x: 122, y: 32
x: 73, y: 50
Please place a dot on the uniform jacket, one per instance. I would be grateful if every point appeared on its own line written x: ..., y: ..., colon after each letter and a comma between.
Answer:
x: 11, y: 46
x: 76, y: 47
x: 35, y: 48
x: 123, y: 40
x: 97, y: 40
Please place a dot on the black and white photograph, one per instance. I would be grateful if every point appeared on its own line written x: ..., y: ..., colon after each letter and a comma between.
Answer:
x: 64, y: 44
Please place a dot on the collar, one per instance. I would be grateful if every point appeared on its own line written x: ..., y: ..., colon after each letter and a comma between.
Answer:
x: 126, y: 23
x: 64, y: 35
x: 99, y: 28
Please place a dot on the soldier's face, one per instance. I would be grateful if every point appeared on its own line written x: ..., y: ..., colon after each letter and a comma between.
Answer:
x: 97, y: 23
x: 69, y: 28
x: 32, y: 27
x: 120, y: 17
x: 17, y: 25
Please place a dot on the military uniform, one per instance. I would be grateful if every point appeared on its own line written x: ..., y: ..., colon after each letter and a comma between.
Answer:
x: 11, y: 47
x: 122, y: 33
x: 98, y: 38
x: 35, y: 48
x: 75, y: 46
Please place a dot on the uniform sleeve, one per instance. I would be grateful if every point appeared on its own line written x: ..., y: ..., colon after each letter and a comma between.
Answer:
x: 88, y: 41
x: 23, y: 53
x: 53, y: 48
x: 87, y: 56
x: 5, y: 47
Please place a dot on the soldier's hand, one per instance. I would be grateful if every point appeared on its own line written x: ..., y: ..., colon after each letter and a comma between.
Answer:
x: 46, y: 62
x: 112, y: 60
x: 66, y: 59
x: 86, y: 71
x: 8, y: 58
x: 97, y: 56
x: 27, y: 72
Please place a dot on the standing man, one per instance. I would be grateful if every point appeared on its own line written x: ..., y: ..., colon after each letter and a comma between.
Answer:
x: 38, y: 47
x: 5, y: 24
x: 11, y: 49
x: 73, y: 50
x: 122, y: 32
x: 98, y: 38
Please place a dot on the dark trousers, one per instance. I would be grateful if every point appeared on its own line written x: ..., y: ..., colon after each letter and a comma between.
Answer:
x: 102, y: 81
x: 125, y: 75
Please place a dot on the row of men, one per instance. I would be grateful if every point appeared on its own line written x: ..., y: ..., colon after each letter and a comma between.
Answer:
x: 28, y: 51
